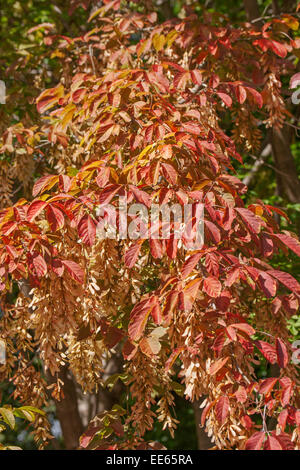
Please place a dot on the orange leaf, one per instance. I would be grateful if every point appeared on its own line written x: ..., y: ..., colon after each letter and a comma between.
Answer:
x: 216, y: 366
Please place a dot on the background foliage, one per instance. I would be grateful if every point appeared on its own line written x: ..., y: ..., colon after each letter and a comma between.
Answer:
x: 26, y: 68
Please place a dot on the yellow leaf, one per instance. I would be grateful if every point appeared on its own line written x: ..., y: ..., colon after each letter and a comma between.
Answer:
x: 95, y: 164
x: 69, y: 113
x: 158, y: 42
x: 96, y: 13
x: 171, y: 36
x: 202, y: 184
x: 292, y: 22
x: 142, y: 46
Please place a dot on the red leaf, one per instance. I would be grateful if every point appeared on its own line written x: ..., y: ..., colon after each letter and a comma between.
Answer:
x: 103, y: 176
x: 118, y: 427
x: 190, y: 264
x: 108, y: 193
x: 241, y: 394
x: 58, y: 267
x: 46, y: 26
x: 40, y: 265
x: 74, y: 270
x: 129, y: 350
x: 139, y: 317
x: 106, y: 134
x: 289, y: 241
x: 55, y: 218
x: 171, y: 302
x: 225, y: 98
x: 287, y: 390
x: 244, y: 327
x: 267, y: 350
x: 49, y: 98
x: 172, y: 245
x: 88, y: 436
x: 173, y: 357
x: 156, y: 313
x: 267, y: 244
x: 283, y: 416
x: 156, y: 248
x: 241, y: 94
x: 212, y: 264
x: 214, y: 80
x: 222, y: 409
x: 247, y: 422
x: 255, y: 442
x: 223, y: 302
x: 64, y: 183
x: 252, y: 222
x: 219, y: 342
x: 286, y: 279
x: 169, y: 173
x: 46, y: 181
x: 278, y: 48
x: 267, y: 284
x: 212, y: 286
x: 285, y: 441
x: 232, y: 276
x: 282, y: 354
x: 181, y: 79
x: 267, y: 385
x: 141, y: 196
x: 87, y: 230
x: 272, y: 444
x: 256, y: 95
x: 196, y: 76
x: 213, y: 230
x: 112, y: 337
x: 35, y: 208
x: 78, y: 95
x: 191, y: 127
x: 132, y: 254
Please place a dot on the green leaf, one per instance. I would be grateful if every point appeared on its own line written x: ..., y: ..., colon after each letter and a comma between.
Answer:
x: 33, y: 410
x: 8, y: 417
x: 25, y: 415
x: 178, y: 388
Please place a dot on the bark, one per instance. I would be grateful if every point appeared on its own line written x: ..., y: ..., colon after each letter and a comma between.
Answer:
x: 275, y: 7
x: 252, y: 9
x: 287, y: 179
x: 258, y: 164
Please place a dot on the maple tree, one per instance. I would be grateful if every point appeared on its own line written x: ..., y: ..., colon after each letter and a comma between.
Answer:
x: 138, y: 112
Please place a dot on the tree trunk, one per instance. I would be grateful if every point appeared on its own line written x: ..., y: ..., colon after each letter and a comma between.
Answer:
x: 287, y: 178
x: 67, y: 411
x: 204, y: 442
x: 252, y: 9
x: 288, y: 183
